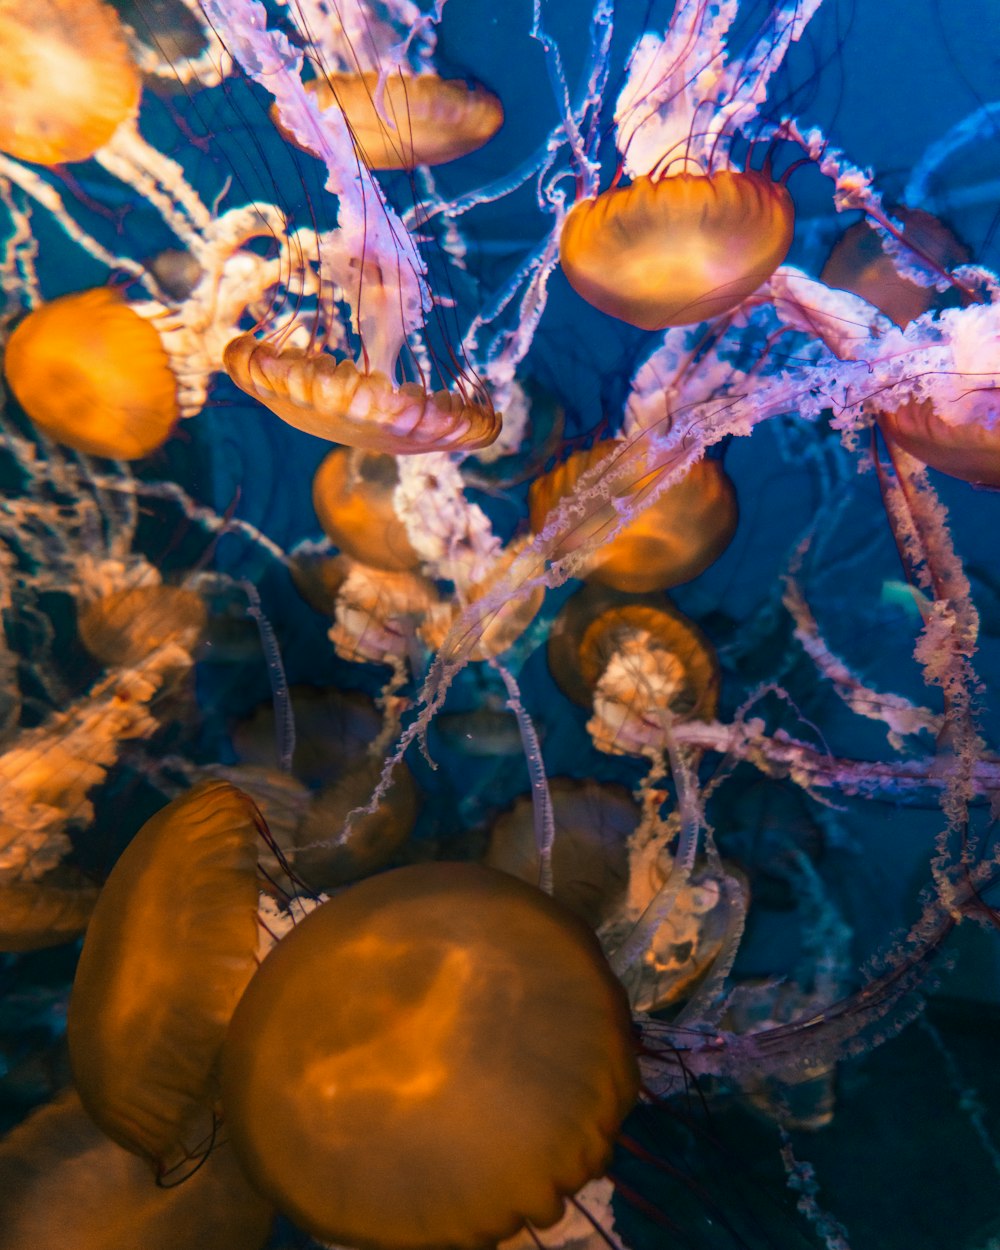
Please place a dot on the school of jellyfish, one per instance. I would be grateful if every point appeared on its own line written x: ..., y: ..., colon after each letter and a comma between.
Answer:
x: 501, y: 616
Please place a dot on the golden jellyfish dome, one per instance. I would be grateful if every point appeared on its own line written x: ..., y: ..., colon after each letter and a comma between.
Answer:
x: 670, y: 542
x: 352, y: 494
x: 406, y: 120
x: 589, y: 855
x: 346, y: 403
x: 169, y: 950
x: 67, y: 80
x: 123, y: 628
x: 969, y: 451
x: 677, y: 250
x: 405, y: 1073
x: 37, y: 914
x: 328, y: 851
x: 92, y: 374
x: 64, y: 1183
x: 858, y: 263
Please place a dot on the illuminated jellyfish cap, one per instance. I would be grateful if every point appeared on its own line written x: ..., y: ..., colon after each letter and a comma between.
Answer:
x: 92, y: 374
x: 677, y: 250
x: 406, y: 119
x: 67, y: 80
x: 432, y: 1058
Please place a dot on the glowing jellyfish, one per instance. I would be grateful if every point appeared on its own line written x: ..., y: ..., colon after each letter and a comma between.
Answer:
x: 400, y: 121
x: 92, y: 374
x: 859, y: 263
x: 167, y: 955
x: 673, y: 539
x: 360, y: 405
x: 36, y: 914
x: 352, y: 495
x: 128, y: 625
x: 966, y: 450
x: 405, y: 1072
x: 638, y: 664
x: 63, y: 1183
x: 677, y: 250
x: 67, y: 80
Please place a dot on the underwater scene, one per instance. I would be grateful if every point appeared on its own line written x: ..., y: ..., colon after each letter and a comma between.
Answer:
x: 500, y: 580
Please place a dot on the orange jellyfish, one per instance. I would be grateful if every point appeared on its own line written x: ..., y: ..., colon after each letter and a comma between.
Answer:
x: 168, y: 953
x: 677, y: 250
x: 638, y: 664
x: 92, y: 374
x: 328, y: 851
x: 36, y: 914
x: 352, y: 495
x: 405, y: 120
x: 858, y: 263
x: 364, y: 404
x: 63, y: 1183
x: 126, y: 626
x: 670, y: 542
x: 67, y: 80
x: 589, y: 856
x: 405, y: 1072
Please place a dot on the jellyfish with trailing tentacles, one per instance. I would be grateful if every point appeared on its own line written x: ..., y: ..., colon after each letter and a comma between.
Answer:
x: 736, y: 941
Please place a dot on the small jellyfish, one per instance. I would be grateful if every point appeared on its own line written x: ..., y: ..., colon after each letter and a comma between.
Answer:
x: 92, y: 374
x: 405, y: 1072
x: 63, y: 1183
x: 168, y: 953
x: 328, y: 851
x: 37, y: 914
x: 638, y: 664
x: 352, y: 494
x: 679, y: 249
x: 671, y: 541
x: 127, y: 626
x: 858, y: 263
x: 589, y: 856
x: 67, y: 79
x: 404, y: 120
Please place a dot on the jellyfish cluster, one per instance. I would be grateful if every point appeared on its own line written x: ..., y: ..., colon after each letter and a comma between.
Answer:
x: 500, y: 607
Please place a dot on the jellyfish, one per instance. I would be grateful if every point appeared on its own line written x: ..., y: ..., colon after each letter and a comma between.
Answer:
x: 62, y: 1182
x: 168, y: 952
x: 68, y: 81
x: 36, y: 914
x: 127, y: 626
x: 677, y: 249
x: 589, y: 857
x: 673, y: 539
x: 401, y: 120
x: 353, y: 498
x: 93, y: 374
x: 435, y: 1017
x: 692, y: 235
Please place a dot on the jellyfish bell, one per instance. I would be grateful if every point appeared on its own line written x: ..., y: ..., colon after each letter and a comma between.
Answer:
x: 668, y: 542
x: 967, y: 450
x: 67, y: 79
x: 353, y: 499
x: 401, y: 120
x: 168, y: 952
x: 363, y: 403
x: 63, y: 1183
x: 436, y: 1083
x: 93, y: 374
x: 589, y: 857
x: 38, y: 914
x: 126, y: 626
x: 679, y: 249
x: 859, y: 263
